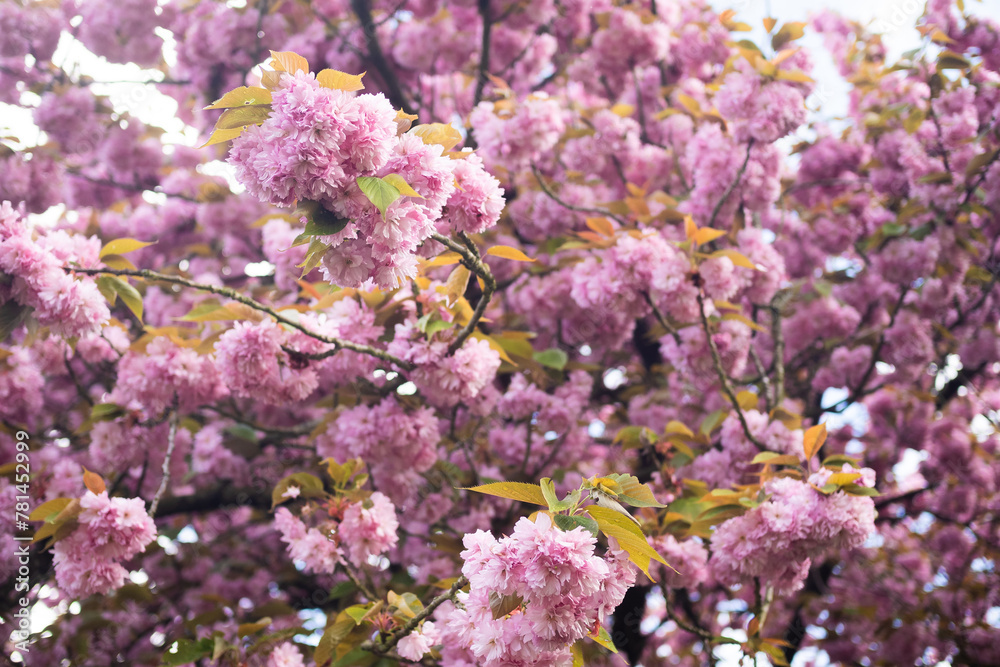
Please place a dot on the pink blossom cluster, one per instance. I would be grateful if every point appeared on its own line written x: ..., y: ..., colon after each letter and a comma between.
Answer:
x: 165, y: 372
x: 368, y: 528
x: 445, y: 379
x: 777, y: 540
x: 310, y: 546
x: 517, y: 139
x: 637, y: 267
x: 566, y: 591
x: 318, y: 141
x: 110, y: 531
x: 398, y: 444
x: 761, y: 110
x: 122, y: 32
x: 252, y: 363
x: 68, y: 306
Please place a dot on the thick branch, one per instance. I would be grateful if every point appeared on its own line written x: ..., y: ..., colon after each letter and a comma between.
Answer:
x: 484, y: 53
x: 247, y: 301
x: 363, y: 10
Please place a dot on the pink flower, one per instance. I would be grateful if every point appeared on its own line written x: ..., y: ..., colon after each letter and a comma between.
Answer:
x: 369, y: 528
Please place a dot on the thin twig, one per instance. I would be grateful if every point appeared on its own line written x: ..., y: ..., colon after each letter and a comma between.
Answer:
x: 247, y: 301
x: 732, y: 186
x: 723, y: 378
x: 411, y: 625
x: 571, y: 207
x: 171, y: 441
x: 471, y: 261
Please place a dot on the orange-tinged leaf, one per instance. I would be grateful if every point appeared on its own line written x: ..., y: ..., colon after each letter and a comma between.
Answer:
x: 601, y: 226
x: 444, y: 259
x: 794, y: 75
x: 737, y: 258
x: 623, y: 110
x: 769, y: 23
x: 747, y: 400
x: 337, y: 80
x: 507, y: 252
x: 690, y: 229
x: 813, y: 439
x: 93, y: 482
x: 122, y: 246
x: 288, y: 61
x: 707, y: 235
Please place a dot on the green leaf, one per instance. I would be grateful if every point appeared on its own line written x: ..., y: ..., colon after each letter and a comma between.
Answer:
x: 320, y: 221
x: 335, y: 633
x: 569, y: 522
x: 187, y: 651
x: 103, y: 411
x: 556, y: 505
x: 310, y: 485
x: 604, y: 639
x: 521, y: 491
x: 246, y: 629
x: 379, y: 192
x: 354, y: 657
x: 629, y: 536
x: 552, y: 357
x: 858, y: 490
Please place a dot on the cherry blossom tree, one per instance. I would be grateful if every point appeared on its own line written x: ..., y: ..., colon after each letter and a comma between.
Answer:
x: 497, y: 333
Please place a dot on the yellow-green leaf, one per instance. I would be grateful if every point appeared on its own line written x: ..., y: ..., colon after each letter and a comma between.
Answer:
x: 400, y: 184
x: 122, y: 246
x: 50, y: 509
x: 232, y: 119
x: 379, y: 192
x: 737, y: 258
x: 242, y: 96
x: 747, y: 400
x: 288, y: 61
x: 629, y: 536
x: 222, y: 136
x: 507, y: 252
x: 331, y: 78
x: 521, y: 491
x: 438, y: 133
x: 775, y: 459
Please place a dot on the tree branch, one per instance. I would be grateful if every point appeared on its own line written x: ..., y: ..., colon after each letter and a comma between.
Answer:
x: 247, y: 301
x: 390, y: 643
x: 723, y: 378
x: 474, y: 263
x: 363, y: 10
